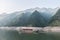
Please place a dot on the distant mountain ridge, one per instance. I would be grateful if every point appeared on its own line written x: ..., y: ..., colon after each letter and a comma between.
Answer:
x: 24, y: 18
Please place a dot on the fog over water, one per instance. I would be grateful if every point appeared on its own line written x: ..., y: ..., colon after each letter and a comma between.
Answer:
x: 45, y: 29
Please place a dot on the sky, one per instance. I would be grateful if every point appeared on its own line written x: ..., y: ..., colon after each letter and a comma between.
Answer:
x: 8, y: 6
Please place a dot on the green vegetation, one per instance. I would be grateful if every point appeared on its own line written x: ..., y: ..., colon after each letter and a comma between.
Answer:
x: 55, y: 20
x: 37, y: 20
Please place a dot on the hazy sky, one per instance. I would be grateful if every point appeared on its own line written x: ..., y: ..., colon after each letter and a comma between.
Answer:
x: 16, y: 5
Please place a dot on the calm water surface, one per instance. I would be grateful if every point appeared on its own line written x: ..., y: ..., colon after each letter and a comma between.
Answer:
x: 14, y: 35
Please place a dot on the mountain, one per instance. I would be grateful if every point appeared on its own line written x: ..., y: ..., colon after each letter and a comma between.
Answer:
x: 36, y: 20
x: 55, y: 20
x: 21, y: 18
x: 26, y: 18
x: 20, y: 21
x: 10, y: 18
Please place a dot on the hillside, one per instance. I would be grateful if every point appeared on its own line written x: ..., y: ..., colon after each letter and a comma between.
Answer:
x: 55, y: 20
x: 27, y: 18
x: 36, y: 20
